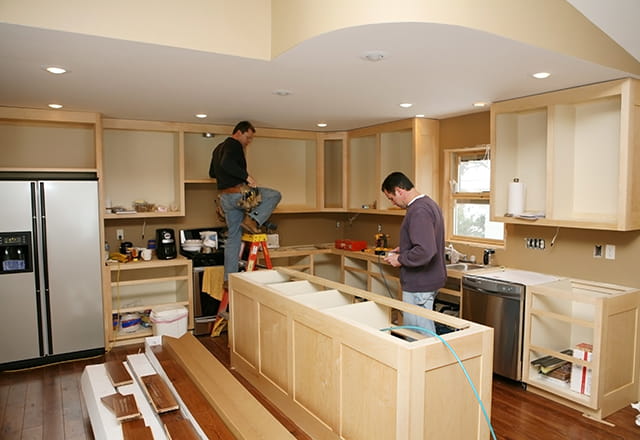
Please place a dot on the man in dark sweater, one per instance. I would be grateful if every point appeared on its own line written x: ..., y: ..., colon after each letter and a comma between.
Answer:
x: 420, y: 254
x: 229, y: 167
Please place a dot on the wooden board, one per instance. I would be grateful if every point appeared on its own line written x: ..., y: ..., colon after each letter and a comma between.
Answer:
x: 179, y: 428
x: 241, y: 412
x: 124, y: 407
x: 158, y: 393
x: 204, y: 414
x: 136, y: 430
x: 118, y: 374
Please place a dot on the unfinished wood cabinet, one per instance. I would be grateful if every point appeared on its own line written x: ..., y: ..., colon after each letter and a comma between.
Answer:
x: 44, y: 140
x: 576, y: 151
x: 369, y: 272
x: 143, y: 161
x: 562, y: 314
x: 318, y: 350
x: 136, y: 287
x: 409, y: 146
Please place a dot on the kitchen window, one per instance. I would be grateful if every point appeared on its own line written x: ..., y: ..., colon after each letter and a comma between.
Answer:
x: 467, y: 197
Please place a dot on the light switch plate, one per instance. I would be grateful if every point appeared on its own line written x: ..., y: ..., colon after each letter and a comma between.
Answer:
x: 610, y: 252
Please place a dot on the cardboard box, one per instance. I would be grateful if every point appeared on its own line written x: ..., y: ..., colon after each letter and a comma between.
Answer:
x: 581, y: 376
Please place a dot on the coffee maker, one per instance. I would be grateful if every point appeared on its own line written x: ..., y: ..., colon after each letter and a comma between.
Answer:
x: 166, y: 244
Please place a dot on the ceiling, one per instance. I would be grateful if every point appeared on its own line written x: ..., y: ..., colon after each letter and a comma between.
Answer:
x: 441, y: 69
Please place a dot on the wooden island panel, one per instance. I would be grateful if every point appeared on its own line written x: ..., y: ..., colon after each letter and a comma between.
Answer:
x: 315, y: 349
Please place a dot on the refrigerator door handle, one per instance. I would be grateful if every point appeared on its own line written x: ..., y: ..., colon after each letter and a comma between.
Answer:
x: 45, y: 267
x: 36, y: 265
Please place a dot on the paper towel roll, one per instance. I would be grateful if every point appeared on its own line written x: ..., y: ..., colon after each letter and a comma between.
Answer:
x: 515, y: 203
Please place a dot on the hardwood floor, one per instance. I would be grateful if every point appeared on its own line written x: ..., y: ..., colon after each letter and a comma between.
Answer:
x: 46, y: 403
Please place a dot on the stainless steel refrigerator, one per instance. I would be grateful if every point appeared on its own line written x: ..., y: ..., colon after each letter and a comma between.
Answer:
x: 50, y: 278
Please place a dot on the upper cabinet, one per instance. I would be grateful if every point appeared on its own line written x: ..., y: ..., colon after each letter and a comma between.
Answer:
x: 409, y: 146
x: 332, y: 173
x: 143, y: 169
x: 42, y: 140
x: 286, y: 160
x: 574, y: 150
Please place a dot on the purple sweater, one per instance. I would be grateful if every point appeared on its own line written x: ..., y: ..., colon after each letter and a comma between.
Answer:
x: 422, y: 247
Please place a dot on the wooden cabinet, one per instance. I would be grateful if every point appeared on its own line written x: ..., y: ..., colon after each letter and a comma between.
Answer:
x: 41, y: 140
x: 369, y: 272
x: 136, y: 287
x: 143, y: 161
x: 332, y: 173
x: 409, y: 146
x: 562, y: 314
x: 316, y: 349
x: 576, y: 151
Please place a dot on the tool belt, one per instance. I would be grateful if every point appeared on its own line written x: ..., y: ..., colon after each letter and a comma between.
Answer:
x: 250, y: 196
x: 233, y: 189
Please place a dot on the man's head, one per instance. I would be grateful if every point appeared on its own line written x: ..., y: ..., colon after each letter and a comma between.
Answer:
x: 243, y: 132
x: 399, y: 189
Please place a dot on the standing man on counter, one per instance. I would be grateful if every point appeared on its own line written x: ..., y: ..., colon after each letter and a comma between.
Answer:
x: 229, y: 167
x: 420, y: 254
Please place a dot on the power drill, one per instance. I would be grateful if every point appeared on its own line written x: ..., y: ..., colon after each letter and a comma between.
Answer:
x: 381, y: 244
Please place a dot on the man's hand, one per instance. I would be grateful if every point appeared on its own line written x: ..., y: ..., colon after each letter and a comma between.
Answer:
x: 392, y: 259
x: 251, y: 182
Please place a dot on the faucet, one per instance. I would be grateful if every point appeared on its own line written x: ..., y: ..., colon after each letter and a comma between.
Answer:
x: 453, y: 255
x: 486, y: 257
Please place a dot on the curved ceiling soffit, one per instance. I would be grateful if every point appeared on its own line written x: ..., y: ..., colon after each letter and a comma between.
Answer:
x: 564, y: 30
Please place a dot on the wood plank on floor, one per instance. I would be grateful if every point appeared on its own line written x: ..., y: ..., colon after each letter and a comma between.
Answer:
x: 158, y: 393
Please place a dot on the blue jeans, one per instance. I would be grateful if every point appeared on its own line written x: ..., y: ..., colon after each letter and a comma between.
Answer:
x: 234, y: 215
x: 422, y: 299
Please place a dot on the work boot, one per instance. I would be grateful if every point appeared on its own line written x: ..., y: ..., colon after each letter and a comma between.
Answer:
x: 250, y: 225
x: 269, y: 227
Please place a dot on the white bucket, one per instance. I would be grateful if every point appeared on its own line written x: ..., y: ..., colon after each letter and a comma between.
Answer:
x: 169, y: 321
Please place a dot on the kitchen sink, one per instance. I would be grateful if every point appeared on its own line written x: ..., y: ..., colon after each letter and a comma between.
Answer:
x: 463, y: 267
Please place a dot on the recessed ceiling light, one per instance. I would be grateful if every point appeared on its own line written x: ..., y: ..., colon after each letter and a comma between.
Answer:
x: 321, y: 124
x: 208, y: 134
x: 56, y: 70
x: 374, y: 56
x: 406, y: 105
x: 56, y: 106
x: 282, y: 92
x: 419, y: 116
x: 479, y: 104
x: 201, y: 115
x: 541, y: 75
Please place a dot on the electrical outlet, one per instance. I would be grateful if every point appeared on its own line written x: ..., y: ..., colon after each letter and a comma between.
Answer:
x: 597, y: 251
x: 338, y: 225
x: 610, y: 252
x: 534, y: 243
x: 120, y: 234
x: 379, y: 228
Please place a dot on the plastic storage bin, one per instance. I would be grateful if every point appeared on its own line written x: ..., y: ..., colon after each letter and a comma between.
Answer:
x: 169, y: 321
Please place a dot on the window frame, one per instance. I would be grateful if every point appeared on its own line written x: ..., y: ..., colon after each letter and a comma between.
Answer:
x: 452, y: 158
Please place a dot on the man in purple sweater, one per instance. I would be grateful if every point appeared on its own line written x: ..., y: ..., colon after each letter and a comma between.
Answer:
x: 420, y: 254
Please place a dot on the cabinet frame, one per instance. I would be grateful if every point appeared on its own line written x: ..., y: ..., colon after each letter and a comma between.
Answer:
x: 423, y: 164
x: 150, y: 273
x: 562, y: 139
x: 571, y: 310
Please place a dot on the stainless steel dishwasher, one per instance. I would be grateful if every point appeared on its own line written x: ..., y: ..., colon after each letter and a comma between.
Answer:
x: 496, y: 299
x: 498, y: 304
